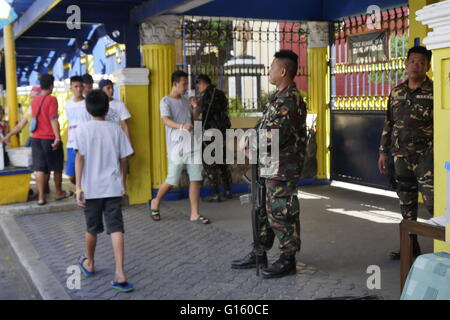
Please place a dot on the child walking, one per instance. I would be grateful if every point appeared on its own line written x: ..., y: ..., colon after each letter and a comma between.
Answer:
x: 102, y: 149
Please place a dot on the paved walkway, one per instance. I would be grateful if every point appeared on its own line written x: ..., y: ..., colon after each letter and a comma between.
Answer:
x: 14, y: 281
x: 343, y: 232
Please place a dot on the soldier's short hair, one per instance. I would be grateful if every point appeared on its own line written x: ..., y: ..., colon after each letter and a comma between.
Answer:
x: 289, y: 59
x: 177, y: 75
x: 421, y: 50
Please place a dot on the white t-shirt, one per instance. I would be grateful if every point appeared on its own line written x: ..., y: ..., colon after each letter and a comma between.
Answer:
x: 117, y: 111
x: 76, y: 114
x: 179, y: 111
x: 103, y: 144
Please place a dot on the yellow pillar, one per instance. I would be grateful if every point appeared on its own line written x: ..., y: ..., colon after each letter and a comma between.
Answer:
x: 134, y: 92
x: 158, y: 55
x: 441, y: 67
x: 11, y: 80
x: 438, y: 42
x: 160, y: 60
x: 318, y: 91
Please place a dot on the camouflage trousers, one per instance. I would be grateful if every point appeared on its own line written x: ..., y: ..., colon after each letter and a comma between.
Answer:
x: 281, y: 217
x: 413, y: 175
x: 218, y: 174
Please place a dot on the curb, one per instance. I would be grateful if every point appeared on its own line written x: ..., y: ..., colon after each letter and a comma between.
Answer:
x: 31, y: 209
x: 45, y: 282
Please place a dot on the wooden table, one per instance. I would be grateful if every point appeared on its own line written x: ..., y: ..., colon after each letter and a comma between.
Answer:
x: 407, y: 229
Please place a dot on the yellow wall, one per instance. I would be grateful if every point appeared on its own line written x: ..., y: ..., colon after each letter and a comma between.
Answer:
x: 62, y: 97
x: 25, y: 102
x: 441, y: 67
x: 160, y: 60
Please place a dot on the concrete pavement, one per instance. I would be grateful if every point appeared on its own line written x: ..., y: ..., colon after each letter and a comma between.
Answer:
x: 343, y: 233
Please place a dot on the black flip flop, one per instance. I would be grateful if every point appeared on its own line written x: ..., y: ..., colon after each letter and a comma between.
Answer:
x: 154, y: 214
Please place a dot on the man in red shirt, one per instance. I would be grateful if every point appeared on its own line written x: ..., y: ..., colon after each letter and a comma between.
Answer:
x: 46, y: 145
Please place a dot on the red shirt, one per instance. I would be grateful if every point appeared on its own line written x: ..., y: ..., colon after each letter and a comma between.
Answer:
x: 49, y: 111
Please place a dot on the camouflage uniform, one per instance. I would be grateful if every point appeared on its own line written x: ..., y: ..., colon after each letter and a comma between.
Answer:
x: 217, y: 119
x: 408, y: 135
x: 285, y: 111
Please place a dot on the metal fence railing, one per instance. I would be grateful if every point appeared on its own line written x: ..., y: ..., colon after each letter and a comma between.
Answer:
x: 237, y: 54
x: 367, y: 59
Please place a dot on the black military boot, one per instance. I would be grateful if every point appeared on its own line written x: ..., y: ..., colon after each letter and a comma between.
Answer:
x: 227, y: 194
x: 282, y: 267
x: 215, y: 197
x: 249, y: 261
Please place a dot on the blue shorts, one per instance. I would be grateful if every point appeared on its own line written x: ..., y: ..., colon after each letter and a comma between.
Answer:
x: 70, y: 163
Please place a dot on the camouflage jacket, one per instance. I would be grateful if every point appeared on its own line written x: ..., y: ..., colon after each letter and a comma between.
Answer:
x: 408, y: 128
x: 285, y: 111
x: 218, y: 115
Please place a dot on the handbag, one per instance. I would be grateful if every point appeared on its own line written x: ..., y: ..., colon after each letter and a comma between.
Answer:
x: 34, y: 122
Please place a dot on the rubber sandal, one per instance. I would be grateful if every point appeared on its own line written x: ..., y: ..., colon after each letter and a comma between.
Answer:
x: 67, y: 194
x: 87, y: 273
x: 42, y: 203
x: 122, y: 287
x: 201, y: 220
x: 154, y: 214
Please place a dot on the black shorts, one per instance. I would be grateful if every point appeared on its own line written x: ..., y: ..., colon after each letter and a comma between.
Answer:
x: 44, y: 159
x: 110, y: 208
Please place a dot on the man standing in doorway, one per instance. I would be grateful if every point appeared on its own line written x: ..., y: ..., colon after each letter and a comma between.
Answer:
x: 408, y: 136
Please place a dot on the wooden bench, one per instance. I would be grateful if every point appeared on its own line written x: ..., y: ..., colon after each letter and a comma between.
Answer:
x: 407, y: 229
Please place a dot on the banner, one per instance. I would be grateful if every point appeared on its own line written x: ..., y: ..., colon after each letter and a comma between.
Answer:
x: 368, y: 48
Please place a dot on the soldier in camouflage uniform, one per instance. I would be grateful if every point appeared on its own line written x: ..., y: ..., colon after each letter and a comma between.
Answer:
x: 285, y: 111
x: 408, y: 136
x: 216, y: 102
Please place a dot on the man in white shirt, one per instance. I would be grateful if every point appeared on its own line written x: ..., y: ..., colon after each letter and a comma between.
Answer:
x: 177, y: 116
x: 76, y: 114
x: 118, y: 112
